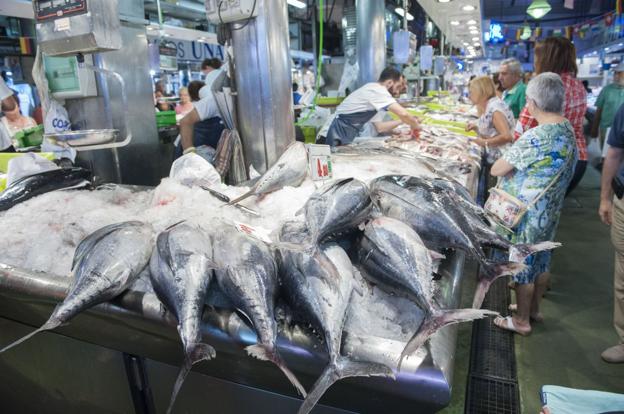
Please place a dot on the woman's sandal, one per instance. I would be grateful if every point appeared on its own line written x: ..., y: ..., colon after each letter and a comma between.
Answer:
x: 507, y: 324
x: 534, y: 318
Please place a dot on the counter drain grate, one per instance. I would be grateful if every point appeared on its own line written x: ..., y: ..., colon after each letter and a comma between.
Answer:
x: 492, y: 384
x: 490, y: 396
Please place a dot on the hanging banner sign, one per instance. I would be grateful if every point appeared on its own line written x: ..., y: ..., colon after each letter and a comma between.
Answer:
x: 198, y: 51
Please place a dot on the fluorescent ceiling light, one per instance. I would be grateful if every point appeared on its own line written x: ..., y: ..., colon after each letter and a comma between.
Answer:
x: 454, y: 23
x: 471, y: 22
x: 477, y: 44
x: 401, y: 13
x: 474, y: 32
x: 296, y: 3
x: 468, y: 7
x: 472, y: 27
x: 444, y: 1
x: 474, y: 39
x: 538, y: 9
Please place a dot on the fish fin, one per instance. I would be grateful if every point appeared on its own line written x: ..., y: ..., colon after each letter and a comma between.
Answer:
x: 493, y: 271
x: 262, y: 353
x: 482, y: 288
x: 436, y: 256
x: 341, y: 368
x: 437, y: 320
x: 175, y: 224
x: 305, y: 247
x: 198, y: 352
x: 519, y: 252
x: 241, y: 198
x: 48, y: 326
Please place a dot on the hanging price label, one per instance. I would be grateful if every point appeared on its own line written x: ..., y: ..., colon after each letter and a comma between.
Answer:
x: 320, y: 162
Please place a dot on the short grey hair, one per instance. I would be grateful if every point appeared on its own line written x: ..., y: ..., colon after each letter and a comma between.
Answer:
x: 546, y: 90
x: 513, y: 65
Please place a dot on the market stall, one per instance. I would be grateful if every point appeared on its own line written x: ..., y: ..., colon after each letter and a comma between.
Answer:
x: 135, y: 335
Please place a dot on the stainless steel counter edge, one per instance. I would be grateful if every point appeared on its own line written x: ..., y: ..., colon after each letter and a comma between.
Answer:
x: 137, y: 323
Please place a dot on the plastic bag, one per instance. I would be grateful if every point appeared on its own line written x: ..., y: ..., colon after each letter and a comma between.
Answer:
x: 27, y: 164
x: 192, y: 169
x: 56, y: 118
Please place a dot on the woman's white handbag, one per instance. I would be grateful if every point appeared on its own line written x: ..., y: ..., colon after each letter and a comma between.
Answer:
x: 507, y: 210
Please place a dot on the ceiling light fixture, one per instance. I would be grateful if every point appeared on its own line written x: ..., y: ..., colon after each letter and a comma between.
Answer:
x: 401, y: 13
x: 474, y: 39
x: 526, y: 33
x: 538, y: 9
x: 454, y: 23
x: 471, y: 21
x: 444, y: 1
x: 296, y: 3
x: 468, y: 7
x: 472, y: 27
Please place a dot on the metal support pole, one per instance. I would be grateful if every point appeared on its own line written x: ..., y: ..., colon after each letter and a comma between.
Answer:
x: 263, y: 81
x: 314, y: 40
x: 405, y: 16
x: 371, y: 39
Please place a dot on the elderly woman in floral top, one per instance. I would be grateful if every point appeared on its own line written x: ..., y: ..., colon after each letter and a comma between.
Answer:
x: 543, y: 158
x: 558, y: 55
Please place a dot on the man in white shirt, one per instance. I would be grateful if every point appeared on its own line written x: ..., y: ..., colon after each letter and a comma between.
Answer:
x: 211, y: 68
x: 202, y: 125
x: 5, y: 138
x: 362, y: 106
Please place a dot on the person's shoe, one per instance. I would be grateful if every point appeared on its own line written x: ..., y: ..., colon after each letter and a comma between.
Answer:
x: 614, y: 355
x: 599, y: 166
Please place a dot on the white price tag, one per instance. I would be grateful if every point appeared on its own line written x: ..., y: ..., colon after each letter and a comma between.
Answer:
x: 320, y: 162
x: 61, y: 25
x: 255, y: 232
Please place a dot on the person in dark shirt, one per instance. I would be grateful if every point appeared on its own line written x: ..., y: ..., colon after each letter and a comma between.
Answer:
x: 296, y: 94
x: 611, y: 213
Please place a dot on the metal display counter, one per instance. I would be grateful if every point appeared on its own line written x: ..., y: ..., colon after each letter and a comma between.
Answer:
x: 123, y: 357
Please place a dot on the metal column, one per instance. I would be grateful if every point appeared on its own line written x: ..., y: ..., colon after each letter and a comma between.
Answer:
x: 371, y: 39
x: 263, y: 82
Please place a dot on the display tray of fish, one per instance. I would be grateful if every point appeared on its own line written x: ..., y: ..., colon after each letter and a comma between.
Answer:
x: 352, y: 278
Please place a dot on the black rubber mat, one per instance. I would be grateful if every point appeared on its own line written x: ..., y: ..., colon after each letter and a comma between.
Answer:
x: 492, y: 396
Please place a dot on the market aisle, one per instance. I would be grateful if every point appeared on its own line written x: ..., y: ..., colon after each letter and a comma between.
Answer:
x: 565, y: 349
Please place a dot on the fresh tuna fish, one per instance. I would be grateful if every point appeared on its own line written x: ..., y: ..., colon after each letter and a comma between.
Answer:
x: 109, y: 261
x: 443, y: 215
x: 336, y: 208
x: 396, y: 259
x: 37, y: 184
x: 420, y: 208
x: 247, y: 275
x: 322, y: 297
x: 181, y: 270
x: 289, y: 170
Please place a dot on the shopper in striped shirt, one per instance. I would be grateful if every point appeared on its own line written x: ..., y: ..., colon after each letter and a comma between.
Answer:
x: 558, y: 55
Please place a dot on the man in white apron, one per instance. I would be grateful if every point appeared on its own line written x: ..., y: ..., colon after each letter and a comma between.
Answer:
x: 362, y: 106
